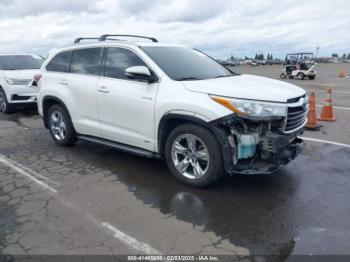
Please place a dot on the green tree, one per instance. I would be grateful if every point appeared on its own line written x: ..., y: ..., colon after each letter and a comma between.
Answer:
x: 344, y: 56
x: 271, y: 57
x: 348, y: 57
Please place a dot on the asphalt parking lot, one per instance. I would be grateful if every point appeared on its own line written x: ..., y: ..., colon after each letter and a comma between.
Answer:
x: 90, y: 199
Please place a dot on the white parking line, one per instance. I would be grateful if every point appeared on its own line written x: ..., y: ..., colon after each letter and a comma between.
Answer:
x: 338, y: 107
x: 139, y: 246
x: 325, y: 141
x: 32, y: 172
x: 121, y: 236
x: 21, y: 171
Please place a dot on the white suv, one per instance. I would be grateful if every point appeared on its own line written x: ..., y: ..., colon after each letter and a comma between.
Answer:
x: 18, y: 87
x: 173, y: 102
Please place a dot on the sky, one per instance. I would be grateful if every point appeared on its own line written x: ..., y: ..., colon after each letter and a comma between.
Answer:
x: 219, y: 28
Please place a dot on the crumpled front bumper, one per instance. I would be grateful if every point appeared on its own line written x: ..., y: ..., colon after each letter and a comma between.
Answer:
x: 273, y: 149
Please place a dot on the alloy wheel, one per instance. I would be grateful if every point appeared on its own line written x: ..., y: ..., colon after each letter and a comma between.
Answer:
x: 58, y: 125
x: 190, y: 156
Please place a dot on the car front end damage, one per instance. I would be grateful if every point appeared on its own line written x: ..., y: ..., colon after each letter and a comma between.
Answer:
x: 261, y: 145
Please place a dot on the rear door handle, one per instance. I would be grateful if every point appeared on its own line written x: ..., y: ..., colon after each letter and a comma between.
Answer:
x: 103, y: 89
x: 64, y: 82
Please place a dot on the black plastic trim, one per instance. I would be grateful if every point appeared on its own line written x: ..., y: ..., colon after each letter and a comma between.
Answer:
x: 120, y: 146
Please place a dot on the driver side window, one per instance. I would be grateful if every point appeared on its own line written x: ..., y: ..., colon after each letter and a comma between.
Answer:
x: 119, y: 59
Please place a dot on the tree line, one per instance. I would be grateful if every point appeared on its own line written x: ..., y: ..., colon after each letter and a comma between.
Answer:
x: 260, y: 56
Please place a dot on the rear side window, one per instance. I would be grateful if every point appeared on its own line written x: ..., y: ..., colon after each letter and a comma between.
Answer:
x: 60, y: 63
x: 119, y: 59
x: 86, y: 61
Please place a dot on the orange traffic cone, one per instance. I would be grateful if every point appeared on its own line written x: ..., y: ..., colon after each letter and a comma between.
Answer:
x: 342, y: 73
x: 311, y: 115
x: 327, y: 109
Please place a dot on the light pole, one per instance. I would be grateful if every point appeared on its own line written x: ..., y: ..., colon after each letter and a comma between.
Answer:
x: 317, y: 48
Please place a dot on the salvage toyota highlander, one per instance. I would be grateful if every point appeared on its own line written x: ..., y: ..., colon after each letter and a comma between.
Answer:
x: 172, y: 102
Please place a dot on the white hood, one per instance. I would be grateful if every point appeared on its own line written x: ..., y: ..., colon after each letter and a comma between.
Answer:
x: 246, y: 87
x: 21, y: 74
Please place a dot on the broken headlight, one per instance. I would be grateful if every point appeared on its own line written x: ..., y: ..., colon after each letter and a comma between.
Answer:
x: 251, y: 107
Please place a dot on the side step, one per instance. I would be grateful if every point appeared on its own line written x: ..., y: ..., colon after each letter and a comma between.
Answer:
x: 121, y: 147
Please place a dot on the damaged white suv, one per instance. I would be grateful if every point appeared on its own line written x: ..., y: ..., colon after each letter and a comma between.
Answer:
x: 173, y: 102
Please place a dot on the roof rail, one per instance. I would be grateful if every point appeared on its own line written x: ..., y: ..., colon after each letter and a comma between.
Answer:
x: 104, y: 37
x: 76, y: 41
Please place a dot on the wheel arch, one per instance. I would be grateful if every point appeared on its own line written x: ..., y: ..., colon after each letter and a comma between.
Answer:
x: 49, y: 101
x: 171, y: 120
x: 3, y: 89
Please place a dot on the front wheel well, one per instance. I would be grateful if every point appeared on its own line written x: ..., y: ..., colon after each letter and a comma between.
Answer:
x: 165, y: 127
x: 171, y: 121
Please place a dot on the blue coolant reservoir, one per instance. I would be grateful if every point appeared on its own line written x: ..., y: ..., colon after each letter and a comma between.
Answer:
x: 246, y: 146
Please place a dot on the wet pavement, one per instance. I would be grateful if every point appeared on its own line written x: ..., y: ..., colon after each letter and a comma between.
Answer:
x: 304, y: 209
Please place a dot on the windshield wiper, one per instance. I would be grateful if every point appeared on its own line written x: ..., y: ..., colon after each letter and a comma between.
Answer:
x: 224, y: 76
x: 187, y: 78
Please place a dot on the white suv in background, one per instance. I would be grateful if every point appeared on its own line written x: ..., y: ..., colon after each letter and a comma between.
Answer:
x: 173, y: 102
x: 18, y: 87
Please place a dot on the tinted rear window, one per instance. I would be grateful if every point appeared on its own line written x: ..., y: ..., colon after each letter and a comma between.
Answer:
x: 60, y: 63
x: 86, y: 61
x: 19, y: 62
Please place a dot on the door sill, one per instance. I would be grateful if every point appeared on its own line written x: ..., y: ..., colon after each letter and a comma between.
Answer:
x: 120, y: 146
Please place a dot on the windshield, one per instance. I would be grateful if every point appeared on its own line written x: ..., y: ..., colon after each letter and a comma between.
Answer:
x: 182, y: 63
x: 19, y: 62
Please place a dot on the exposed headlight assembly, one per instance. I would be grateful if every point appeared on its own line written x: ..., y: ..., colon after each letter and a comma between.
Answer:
x: 251, y: 107
x: 17, y: 81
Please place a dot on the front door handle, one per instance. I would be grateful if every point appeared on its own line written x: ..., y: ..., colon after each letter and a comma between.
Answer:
x: 103, y: 89
x: 64, y: 82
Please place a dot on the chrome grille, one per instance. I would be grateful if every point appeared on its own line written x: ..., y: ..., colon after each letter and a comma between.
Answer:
x: 297, y: 113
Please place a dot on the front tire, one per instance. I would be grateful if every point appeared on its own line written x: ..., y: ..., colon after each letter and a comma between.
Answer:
x: 193, y: 155
x: 300, y: 76
x: 5, y: 107
x: 60, y: 126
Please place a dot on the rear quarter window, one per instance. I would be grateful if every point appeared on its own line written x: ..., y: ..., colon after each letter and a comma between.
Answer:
x: 60, y: 63
x: 86, y: 61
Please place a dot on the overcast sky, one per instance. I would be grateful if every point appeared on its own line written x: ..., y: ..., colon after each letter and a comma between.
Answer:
x: 218, y: 27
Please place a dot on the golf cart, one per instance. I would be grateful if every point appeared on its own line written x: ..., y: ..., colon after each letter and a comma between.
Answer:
x: 299, y: 65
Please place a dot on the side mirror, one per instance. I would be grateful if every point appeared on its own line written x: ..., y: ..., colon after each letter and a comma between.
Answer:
x: 140, y: 73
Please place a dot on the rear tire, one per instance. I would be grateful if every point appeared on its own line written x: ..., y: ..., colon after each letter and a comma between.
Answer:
x: 60, y: 126
x: 5, y: 107
x: 312, y: 77
x: 194, y: 156
x: 300, y: 76
x: 283, y: 76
